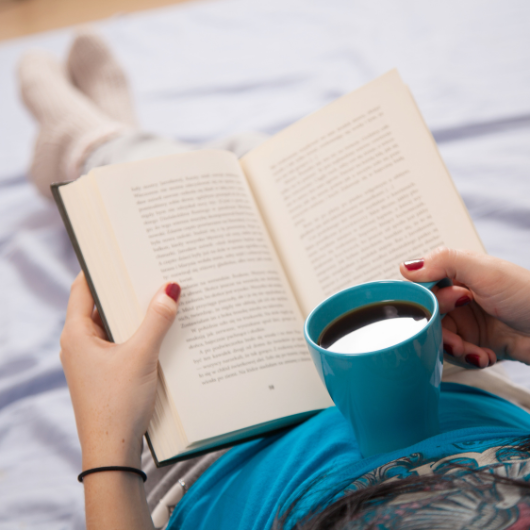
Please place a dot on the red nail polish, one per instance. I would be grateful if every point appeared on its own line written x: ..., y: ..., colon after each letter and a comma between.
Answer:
x: 173, y: 291
x: 414, y: 264
x: 448, y: 349
x: 463, y: 300
x: 473, y: 358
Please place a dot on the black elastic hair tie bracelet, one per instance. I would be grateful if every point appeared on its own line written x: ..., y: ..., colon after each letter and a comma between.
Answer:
x: 111, y: 468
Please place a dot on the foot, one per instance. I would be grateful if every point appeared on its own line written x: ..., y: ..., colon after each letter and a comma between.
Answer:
x: 95, y: 72
x: 71, y: 125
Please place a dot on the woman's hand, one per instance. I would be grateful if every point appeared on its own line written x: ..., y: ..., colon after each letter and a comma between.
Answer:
x: 487, y: 309
x: 113, y: 386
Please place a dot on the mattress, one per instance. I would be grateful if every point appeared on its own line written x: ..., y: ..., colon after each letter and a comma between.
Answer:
x: 203, y: 70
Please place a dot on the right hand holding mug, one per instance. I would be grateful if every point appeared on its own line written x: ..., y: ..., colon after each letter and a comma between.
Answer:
x: 487, y: 308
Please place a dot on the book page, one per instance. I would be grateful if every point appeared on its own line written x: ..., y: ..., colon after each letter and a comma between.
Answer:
x: 354, y: 189
x: 236, y: 355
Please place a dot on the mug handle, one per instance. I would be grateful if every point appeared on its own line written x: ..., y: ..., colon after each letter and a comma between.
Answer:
x: 444, y: 282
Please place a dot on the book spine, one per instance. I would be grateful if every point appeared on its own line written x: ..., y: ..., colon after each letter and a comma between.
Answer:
x: 56, y: 192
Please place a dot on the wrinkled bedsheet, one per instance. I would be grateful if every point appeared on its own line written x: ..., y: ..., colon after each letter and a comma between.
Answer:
x: 203, y: 70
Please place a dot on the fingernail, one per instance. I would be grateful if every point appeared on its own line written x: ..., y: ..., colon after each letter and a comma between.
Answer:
x: 463, y: 300
x: 173, y: 291
x: 414, y: 264
x: 473, y: 358
x: 448, y: 349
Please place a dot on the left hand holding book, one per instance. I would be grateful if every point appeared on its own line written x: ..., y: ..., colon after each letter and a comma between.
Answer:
x: 112, y: 385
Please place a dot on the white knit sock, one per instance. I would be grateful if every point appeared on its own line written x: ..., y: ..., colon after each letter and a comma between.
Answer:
x: 94, y: 70
x: 71, y: 125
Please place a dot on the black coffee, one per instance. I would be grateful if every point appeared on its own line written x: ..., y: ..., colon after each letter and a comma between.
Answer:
x: 374, y: 327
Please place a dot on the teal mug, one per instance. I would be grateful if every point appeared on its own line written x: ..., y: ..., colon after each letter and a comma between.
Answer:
x: 389, y: 396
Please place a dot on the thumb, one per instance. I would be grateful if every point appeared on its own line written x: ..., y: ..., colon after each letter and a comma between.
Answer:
x: 466, y: 267
x: 501, y: 288
x: 160, y: 316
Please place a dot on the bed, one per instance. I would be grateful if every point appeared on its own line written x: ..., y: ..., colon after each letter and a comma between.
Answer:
x: 203, y: 70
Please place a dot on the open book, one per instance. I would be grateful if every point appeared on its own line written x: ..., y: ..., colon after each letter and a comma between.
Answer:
x: 339, y: 198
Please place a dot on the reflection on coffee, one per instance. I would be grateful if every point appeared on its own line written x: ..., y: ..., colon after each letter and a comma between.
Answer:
x: 374, y: 327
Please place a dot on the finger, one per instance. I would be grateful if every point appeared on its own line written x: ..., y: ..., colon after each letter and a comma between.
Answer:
x: 449, y: 323
x: 99, y: 328
x: 463, y: 266
x: 516, y: 348
x: 452, y: 297
x: 80, y: 303
x: 160, y: 316
x: 465, y: 353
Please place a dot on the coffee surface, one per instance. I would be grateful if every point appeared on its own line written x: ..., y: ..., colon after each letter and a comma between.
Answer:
x: 374, y: 327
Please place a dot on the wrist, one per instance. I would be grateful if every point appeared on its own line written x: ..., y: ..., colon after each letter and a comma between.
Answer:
x: 112, y: 469
x: 111, y: 452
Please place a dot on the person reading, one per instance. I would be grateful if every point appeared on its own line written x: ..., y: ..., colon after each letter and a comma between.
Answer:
x: 311, y: 476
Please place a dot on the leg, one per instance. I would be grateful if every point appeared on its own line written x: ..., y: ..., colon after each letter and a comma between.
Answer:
x: 71, y: 125
x: 493, y: 379
x: 136, y: 145
x: 86, y: 115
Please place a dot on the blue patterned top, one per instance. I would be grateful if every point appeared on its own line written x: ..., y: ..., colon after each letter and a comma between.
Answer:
x: 249, y: 485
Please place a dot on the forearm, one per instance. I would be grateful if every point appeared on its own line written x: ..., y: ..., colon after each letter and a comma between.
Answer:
x: 113, y: 499
x: 113, y: 388
x: 116, y: 500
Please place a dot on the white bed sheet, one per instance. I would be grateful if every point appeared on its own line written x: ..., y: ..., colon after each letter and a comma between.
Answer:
x: 208, y: 69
